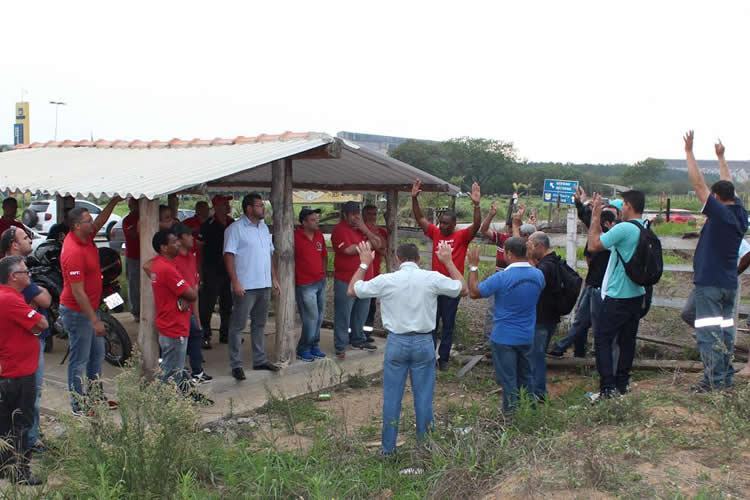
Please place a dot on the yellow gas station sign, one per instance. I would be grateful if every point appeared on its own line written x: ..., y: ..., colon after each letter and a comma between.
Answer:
x: 21, y: 129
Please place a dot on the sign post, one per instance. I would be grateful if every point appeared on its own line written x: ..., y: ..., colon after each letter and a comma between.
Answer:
x: 21, y: 130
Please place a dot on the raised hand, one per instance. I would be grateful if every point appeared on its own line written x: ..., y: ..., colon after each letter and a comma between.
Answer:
x: 719, y: 147
x: 581, y: 195
x: 518, y: 216
x: 416, y: 188
x: 688, y: 138
x: 597, y: 204
x: 476, y: 193
x: 472, y: 256
x: 444, y: 252
x: 366, y: 253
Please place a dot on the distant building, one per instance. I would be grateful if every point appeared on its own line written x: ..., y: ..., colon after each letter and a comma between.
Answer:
x: 740, y: 169
x: 381, y: 143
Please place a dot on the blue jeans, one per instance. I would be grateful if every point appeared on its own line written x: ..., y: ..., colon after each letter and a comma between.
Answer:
x: 350, y: 313
x: 173, y: 352
x: 715, y: 331
x: 413, y: 355
x: 194, y: 346
x: 542, y: 334
x: 86, y: 352
x: 33, y: 435
x: 588, y: 305
x: 447, y: 307
x: 512, y: 371
x: 311, y: 303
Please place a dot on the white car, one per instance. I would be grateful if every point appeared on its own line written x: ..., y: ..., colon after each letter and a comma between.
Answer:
x: 42, y: 215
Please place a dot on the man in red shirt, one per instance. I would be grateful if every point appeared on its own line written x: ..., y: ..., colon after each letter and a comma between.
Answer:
x: 459, y: 242
x: 350, y: 313
x: 10, y: 210
x: 202, y: 212
x: 172, y: 299
x: 186, y: 263
x: 133, y: 258
x: 80, y: 299
x: 370, y: 216
x: 19, y: 358
x: 310, y: 265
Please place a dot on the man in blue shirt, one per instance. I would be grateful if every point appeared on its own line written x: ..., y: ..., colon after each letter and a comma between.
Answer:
x: 715, y: 270
x: 621, y: 309
x: 248, y: 248
x: 516, y: 291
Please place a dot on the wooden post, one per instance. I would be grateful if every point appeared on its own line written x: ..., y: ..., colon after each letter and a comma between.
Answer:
x: 391, y: 225
x: 63, y: 203
x: 669, y: 209
x: 283, y: 242
x: 174, y: 203
x: 148, y: 225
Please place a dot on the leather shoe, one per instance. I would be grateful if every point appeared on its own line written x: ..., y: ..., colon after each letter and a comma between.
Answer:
x: 267, y: 366
x: 238, y: 373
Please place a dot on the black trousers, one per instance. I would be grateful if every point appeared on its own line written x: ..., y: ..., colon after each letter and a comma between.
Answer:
x: 370, y: 321
x: 17, y: 397
x: 618, y: 322
x: 215, y: 286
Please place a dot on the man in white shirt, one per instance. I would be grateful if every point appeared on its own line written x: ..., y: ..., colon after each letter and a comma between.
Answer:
x: 408, y: 303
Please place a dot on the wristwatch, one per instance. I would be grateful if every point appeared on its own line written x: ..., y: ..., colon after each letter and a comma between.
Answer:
x: 473, y: 269
x: 363, y: 266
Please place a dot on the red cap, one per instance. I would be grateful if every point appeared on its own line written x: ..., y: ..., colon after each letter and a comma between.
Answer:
x: 220, y: 199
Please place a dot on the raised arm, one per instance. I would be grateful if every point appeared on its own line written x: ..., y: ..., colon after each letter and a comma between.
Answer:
x: 472, y: 257
x: 584, y: 212
x: 595, y: 229
x: 485, y: 227
x: 518, y: 221
x: 415, y: 208
x: 476, y: 196
x: 694, y: 173
x: 724, y: 173
x: 445, y: 255
x: 103, y: 216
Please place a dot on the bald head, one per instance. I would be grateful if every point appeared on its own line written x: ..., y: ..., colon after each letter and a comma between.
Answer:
x: 538, y: 245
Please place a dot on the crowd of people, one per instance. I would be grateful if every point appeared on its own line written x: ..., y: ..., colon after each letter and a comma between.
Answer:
x: 212, y: 258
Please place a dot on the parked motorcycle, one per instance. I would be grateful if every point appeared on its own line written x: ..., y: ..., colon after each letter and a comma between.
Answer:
x: 46, y: 271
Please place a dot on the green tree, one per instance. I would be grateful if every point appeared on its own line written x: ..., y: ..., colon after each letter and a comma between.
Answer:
x: 644, y: 173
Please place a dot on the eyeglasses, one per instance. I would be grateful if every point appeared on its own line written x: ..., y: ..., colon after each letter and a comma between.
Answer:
x: 22, y: 272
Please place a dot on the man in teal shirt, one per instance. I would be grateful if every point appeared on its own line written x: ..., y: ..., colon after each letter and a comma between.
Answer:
x: 621, y: 309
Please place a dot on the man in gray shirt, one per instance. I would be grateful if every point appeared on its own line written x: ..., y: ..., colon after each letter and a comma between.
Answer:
x: 408, y: 302
x: 248, y: 248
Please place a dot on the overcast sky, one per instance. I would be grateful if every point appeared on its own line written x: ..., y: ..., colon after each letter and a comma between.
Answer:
x: 579, y: 81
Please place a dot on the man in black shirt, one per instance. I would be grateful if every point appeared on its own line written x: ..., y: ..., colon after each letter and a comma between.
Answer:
x: 591, y: 299
x: 547, y: 316
x: 215, y: 282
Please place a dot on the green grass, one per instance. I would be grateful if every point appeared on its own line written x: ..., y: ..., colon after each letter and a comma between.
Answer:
x: 674, y: 228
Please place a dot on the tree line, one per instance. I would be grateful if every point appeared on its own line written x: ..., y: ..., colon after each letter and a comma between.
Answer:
x: 497, y: 167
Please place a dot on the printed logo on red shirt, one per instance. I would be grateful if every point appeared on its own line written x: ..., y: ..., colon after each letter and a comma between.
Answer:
x: 318, y: 246
x: 75, y: 273
x: 31, y: 314
x: 180, y: 283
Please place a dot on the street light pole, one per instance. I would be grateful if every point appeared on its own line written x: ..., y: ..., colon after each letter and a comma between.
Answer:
x: 57, y: 105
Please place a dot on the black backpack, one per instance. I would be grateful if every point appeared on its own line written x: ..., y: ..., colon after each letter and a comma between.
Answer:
x: 569, y: 287
x: 645, y: 266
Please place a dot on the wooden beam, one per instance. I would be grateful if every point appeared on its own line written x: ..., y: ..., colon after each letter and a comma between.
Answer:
x: 230, y: 186
x: 148, y: 225
x: 283, y: 242
x: 63, y: 203
x: 391, y: 218
x: 174, y: 203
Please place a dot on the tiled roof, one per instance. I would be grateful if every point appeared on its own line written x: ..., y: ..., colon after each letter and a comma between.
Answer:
x: 173, y: 143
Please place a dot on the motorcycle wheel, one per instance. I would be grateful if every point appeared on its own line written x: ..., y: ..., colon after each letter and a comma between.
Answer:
x: 118, y: 347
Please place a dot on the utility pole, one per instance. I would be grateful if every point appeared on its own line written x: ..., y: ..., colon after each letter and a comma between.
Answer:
x: 57, y: 105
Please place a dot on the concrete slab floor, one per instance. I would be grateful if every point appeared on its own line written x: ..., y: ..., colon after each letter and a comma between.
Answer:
x: 230, y: 396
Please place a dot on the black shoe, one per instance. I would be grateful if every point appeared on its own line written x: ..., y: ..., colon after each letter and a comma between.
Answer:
x: 701, y: 388
x: 607, y: 394
x: 238, y: 373
x: 556, y: 353
x: 443, y: 365
x: 267, y: 366
x: 206, y: 344
x: 623, y: 390
x: 202, y: 377
x: 369, y: 339
x: 26, y: 478
x: 366, y: 346
x: 39, y: 448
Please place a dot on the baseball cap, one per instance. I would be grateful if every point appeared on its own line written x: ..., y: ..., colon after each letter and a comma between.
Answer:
x: 350, y: 207
x: 307, y: 211
x: 527, y: 229
x: 616, y: 203
x: 220, y: 199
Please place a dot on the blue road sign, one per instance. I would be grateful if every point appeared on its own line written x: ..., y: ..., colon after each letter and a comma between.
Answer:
x: 555, y: 189
x: 17, y: 134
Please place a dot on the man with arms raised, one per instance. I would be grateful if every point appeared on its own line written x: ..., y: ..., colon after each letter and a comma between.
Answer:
x: 408, y: 298
x: 715, y: 271
x: 459, y: 241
